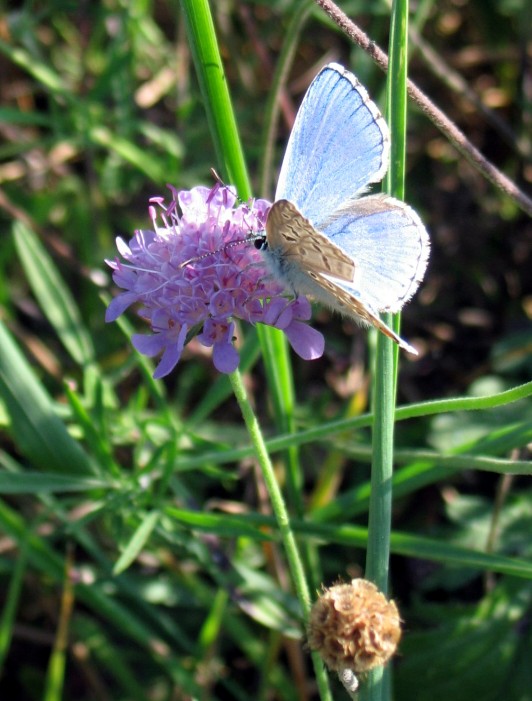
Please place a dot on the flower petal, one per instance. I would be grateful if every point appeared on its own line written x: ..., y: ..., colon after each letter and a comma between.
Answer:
x: 119, y: 304
x: 168, y: 361
x: 148, y: 345
x: 225, y: 357
x: 307, y: 342
x: 301, y: 309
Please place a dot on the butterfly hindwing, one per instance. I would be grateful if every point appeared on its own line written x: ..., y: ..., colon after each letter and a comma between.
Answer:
x: 390, y: 244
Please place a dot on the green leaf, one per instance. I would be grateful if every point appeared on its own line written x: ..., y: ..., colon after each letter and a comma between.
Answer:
x: 461, y: 653
x: 35, y: 427
x: 10, y: 604
x: 130, y: 152
x: 30, y: 482
x: 53, y: 295
x: 137, y: 542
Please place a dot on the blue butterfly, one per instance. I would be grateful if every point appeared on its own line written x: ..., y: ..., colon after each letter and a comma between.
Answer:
x: 359, y: 256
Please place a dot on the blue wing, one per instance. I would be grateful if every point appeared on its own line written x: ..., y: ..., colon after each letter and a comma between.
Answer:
x: 389, y: 247
x: 338, y: 146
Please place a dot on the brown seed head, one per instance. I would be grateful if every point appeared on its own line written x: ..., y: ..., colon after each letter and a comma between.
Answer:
x: 353, y: 626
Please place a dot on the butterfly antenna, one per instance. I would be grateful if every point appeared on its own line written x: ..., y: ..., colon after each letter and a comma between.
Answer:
x: 216, y: 177
x: 220, y: 182
x: 232, y: 244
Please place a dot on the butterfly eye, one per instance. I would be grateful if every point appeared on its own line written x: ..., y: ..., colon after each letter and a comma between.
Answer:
x: 261, y: 243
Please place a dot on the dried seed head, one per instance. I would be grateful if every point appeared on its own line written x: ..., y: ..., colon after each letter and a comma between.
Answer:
x: 353, y: 626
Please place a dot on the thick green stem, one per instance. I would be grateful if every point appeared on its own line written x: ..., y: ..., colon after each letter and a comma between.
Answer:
x: 378, y: 687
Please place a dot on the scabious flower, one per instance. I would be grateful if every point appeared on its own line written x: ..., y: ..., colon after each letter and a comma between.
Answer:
x: 198, y: 272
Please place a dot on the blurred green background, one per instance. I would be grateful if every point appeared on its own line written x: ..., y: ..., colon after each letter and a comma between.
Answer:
x: 100, y: 109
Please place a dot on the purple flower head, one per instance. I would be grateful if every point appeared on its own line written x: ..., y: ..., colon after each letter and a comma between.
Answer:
x: 198, y: 272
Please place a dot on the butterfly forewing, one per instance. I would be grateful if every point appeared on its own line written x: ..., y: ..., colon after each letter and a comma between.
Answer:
x: 292, y: 236
x: 338, y: 146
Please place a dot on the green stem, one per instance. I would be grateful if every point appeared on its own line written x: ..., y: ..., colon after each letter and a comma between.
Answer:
x: 378, y: 687
x: 220, y: 115
x: 380, y: 503
x: 281, y: 516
